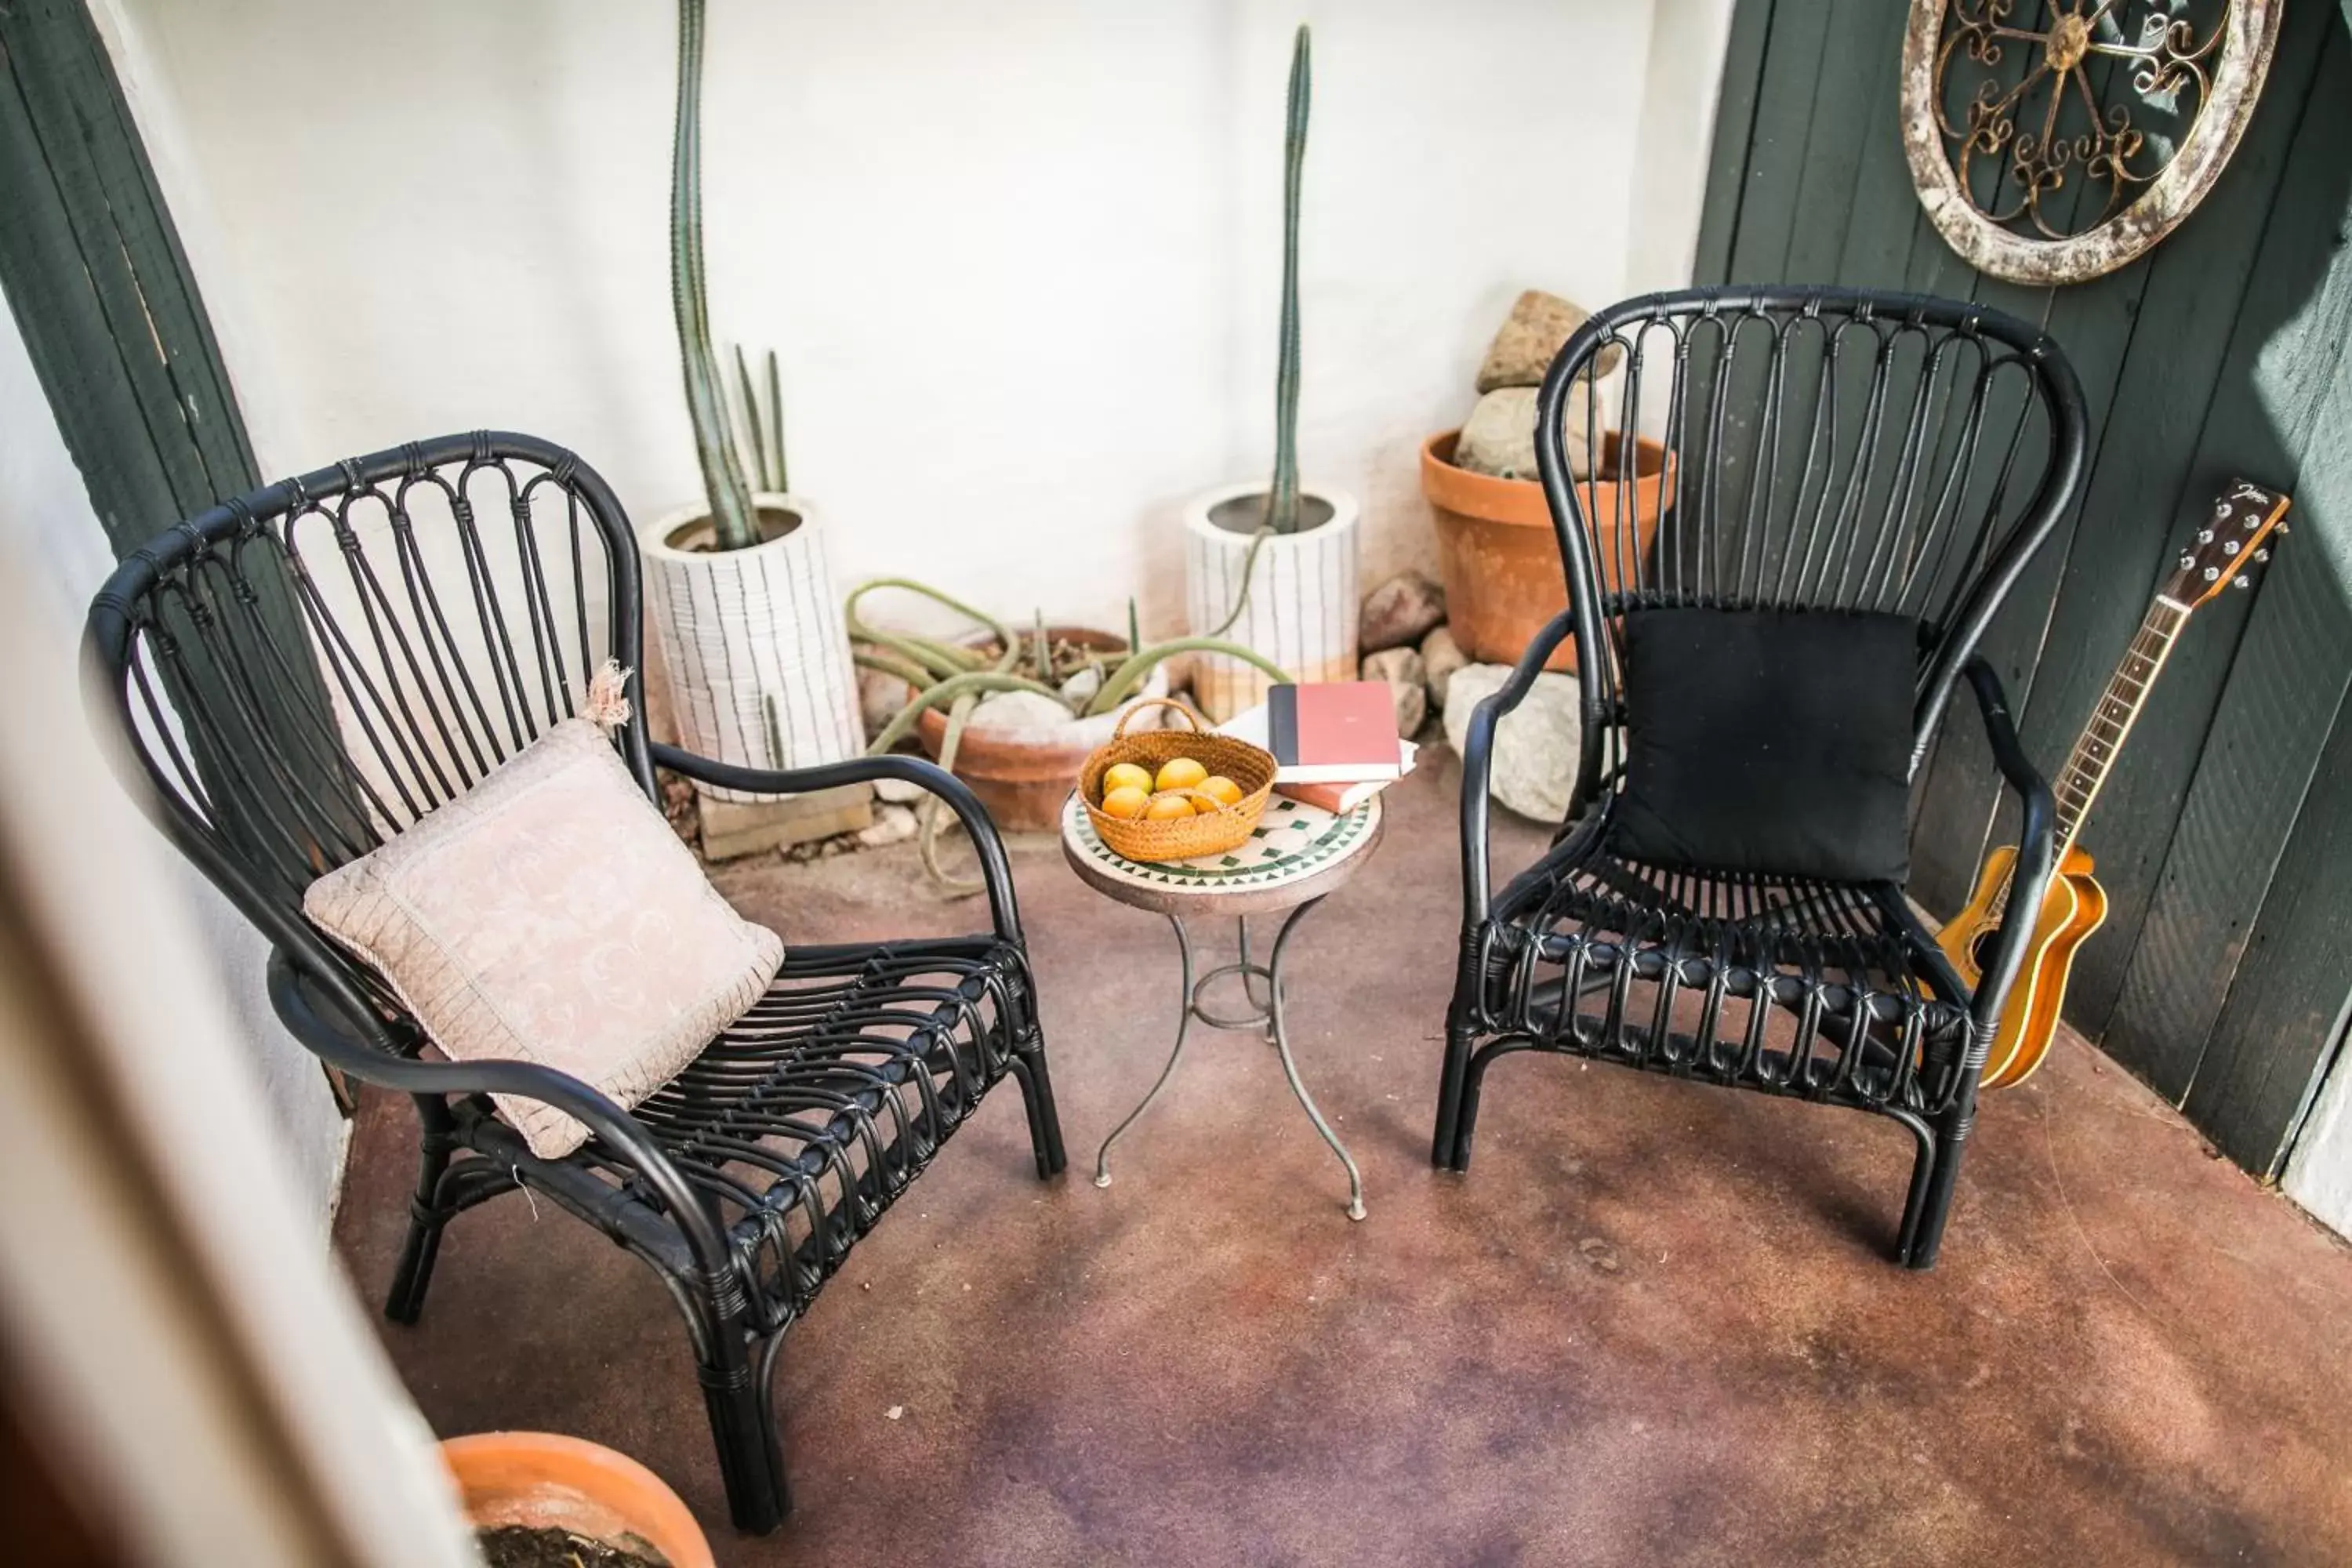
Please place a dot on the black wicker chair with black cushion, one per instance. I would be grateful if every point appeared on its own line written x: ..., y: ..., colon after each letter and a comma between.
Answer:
x: 309, y: 669
x: 1855, y: 483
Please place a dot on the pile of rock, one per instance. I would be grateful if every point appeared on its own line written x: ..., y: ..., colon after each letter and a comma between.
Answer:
x: 1403, y: 627
x: 1499, y: 436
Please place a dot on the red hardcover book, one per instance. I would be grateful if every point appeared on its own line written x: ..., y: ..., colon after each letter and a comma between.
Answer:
x: 1341, y: 731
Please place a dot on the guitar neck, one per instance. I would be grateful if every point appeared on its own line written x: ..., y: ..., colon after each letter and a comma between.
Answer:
x: 2077, y: 784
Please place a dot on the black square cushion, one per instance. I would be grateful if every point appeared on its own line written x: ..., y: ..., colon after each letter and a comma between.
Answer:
x: 1769, y: 741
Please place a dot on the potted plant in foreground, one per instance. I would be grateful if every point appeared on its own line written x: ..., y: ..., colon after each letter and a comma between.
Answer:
x: 537, y: 1500
x: 1273, y: 565
x: 737, y: 587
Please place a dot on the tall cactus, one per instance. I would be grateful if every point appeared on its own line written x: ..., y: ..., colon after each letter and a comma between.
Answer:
x: 731, y: 513
x: 1282, y: 497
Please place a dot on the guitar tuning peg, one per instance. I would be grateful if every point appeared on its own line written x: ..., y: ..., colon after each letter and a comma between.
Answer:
x: 2242, y: 581
x: 2262, y: 555
x: 2204, y: 536
x: 2280, y: 531
x: 2187, y: 561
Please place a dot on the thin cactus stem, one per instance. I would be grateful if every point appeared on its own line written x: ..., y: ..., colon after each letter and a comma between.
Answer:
x: 731, y: 513
x: 782, y: 478
x: 1282, y: 497
x: 754, y: 439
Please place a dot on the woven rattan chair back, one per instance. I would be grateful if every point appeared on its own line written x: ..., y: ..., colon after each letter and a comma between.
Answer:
x: 307, y: 670
x: 1822, y: 449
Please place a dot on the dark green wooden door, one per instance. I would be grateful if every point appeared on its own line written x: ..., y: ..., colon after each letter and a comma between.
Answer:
x: 2224, y: 839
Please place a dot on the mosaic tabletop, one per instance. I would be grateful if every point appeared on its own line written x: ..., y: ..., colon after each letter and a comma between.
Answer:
x: 1294, y: 852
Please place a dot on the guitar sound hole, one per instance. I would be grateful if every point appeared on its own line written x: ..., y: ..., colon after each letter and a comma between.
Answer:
x: 1982, y: 950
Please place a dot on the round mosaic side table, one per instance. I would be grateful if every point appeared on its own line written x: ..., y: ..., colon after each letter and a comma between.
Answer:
x: 1296, y: 856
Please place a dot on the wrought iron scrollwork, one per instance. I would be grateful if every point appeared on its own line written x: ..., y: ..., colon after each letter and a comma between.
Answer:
x: 2052, y: 141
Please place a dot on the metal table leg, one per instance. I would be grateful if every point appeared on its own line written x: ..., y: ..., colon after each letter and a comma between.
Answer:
x: 1183, y: 1025
x: 1290, y: 1067
x: 1269, y: 1016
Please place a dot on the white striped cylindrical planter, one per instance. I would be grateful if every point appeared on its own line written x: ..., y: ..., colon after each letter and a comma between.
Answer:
x: 753, y: 641
x: 1301, y: 612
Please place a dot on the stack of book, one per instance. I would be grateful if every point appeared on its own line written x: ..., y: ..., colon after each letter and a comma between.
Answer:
x: 1334, y: 745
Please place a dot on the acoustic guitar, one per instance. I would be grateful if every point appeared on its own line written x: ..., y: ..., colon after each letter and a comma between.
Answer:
x: 2226, y: 548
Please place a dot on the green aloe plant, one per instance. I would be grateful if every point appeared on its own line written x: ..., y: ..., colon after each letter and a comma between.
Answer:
x: 1282, y: 496
x: 731, y: 513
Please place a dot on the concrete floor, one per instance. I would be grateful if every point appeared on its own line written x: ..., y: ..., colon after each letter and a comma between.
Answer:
x: 1655, y: 1322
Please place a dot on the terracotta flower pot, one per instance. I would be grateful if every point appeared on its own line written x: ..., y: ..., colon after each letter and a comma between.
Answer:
x: 1023, y: 775
x: 1499, y: 554
x: 544, y: 1481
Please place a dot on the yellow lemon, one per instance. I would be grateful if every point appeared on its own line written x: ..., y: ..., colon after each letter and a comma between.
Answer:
x: 1226, y: 792
x: 1125, y: 775
x: 1167, y: 808
x: 1125, y: 801
x: 1180, y: 773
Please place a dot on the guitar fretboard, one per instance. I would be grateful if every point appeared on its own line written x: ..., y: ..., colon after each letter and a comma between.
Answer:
x: 2077, y: 786
x: 2077, y: 783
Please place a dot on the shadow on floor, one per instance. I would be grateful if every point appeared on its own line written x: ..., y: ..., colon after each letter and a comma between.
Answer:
x: 1654, y: 1323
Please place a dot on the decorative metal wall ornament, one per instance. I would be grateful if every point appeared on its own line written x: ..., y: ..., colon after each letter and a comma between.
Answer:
x: 2054, y: 146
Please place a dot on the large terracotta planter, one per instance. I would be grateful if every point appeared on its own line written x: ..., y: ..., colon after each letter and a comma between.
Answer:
x: 545, y: 1481
x: 1302, y: 600
x: 1023, y: 775
x: 1500, y: 558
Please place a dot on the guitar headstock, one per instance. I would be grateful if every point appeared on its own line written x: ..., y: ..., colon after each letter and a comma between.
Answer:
x: 2228, y: 544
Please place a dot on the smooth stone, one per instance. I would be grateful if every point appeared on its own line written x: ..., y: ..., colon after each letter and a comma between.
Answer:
x: 1531, y: 337
x: 880, y: 698
x: 892, y: 825
x: 1440, y: 656
x: 900, y: 792
x: 1005, y: 711
x: 1399, y: 613
x: 1533, y: 763
x: 1408, y: 684
x: 1500, y: 438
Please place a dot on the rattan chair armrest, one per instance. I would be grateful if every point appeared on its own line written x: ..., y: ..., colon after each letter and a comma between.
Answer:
x: 620, y: 1132
x: 1477, y: 760
x: 977, y: 824
x: 2037, y: 847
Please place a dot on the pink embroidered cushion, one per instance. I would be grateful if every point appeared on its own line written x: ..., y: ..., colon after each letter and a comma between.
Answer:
x: 550, y: 915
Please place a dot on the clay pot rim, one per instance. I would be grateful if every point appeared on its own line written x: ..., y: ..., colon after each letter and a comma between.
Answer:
x: 655, y: 537
x: 931, y: 724
x: 627, y: 1487
x: 1513, y: 503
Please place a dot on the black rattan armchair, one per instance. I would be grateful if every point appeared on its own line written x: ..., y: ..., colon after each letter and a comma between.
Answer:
x: 1824, y: 451
x: 448, y: 600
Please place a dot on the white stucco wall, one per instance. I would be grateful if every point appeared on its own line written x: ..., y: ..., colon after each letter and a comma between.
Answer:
x: 48, y: 532
x: 1021, y: 260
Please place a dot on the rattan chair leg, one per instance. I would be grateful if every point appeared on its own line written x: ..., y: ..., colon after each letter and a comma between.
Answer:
x: 1028, y: 1064
x: 735, y: 1392
x: 404, y: 1302
x: 1453, y: 1074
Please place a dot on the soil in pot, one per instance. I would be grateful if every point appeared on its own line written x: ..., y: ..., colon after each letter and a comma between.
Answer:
x: 521, y: 1546
x: 700, y: 537
x: 1500, y: 557
x: 1246, y: 514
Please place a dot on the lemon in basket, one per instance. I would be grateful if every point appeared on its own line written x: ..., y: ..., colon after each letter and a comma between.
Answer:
x: 1168, y: 808
x: 1180, y: 773
x: 1125, y: 801
x: 1124, y: 775
x: 1221, y: 789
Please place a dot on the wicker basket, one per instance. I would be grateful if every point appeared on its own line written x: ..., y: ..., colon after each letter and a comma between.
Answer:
x: 1178, y: 838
